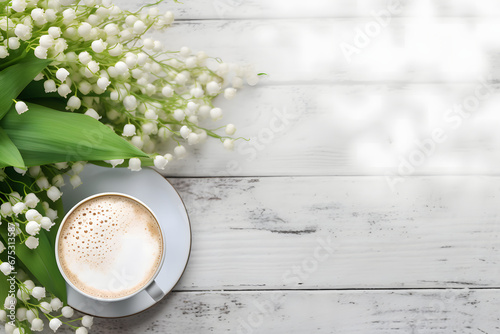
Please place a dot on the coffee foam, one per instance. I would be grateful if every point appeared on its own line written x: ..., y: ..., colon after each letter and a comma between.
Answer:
x: 110, y: 246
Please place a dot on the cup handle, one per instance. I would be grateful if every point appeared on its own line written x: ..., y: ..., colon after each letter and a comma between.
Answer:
x: 155, y: 292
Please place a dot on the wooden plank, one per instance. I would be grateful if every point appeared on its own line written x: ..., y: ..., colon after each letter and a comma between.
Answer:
x: 342, y: 232
x: 350, y: 50
x: 354, y: 130
x: 250, y: 9
x: 349, y: 312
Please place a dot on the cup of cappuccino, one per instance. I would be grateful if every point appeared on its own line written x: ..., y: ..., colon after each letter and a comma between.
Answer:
x: 110, y: 247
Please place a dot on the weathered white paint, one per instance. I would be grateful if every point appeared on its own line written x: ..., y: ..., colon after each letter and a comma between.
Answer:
x: 258, y: 264
x: 362, y: 129
x: 350, y: 312
x: 252, y: 9
x: 342, y: 232
x: 419, y: 49
x: 332, y: 233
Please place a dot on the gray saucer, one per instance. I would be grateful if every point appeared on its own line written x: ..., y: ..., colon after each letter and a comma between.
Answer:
x: 157, y: 193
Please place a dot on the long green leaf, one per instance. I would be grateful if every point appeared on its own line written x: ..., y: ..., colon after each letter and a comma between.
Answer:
x: 45, y: 136
x: 9, y: 154
x: 41, y: 262
x: 16, y: 77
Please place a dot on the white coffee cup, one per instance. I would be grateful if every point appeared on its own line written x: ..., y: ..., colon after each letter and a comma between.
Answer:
x: 110, y: 247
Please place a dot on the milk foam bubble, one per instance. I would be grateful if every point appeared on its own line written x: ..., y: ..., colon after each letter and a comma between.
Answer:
x: 110, y: 246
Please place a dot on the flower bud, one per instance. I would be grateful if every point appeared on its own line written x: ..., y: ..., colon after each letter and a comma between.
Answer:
x: 13, y: 43
x: 193, y: 138
x: 134, y: 164
x: 56, y: 304
x: 216, y: 113
x: 18, y: 208
x: 230, y: 129
x: 37, y: 325
x: 46, y: 223
x: 6, y: 209
x: 45, y: 307
x: 74, y: 103
x: 213, y: 88
x: 114, y: 162
x: 32, y: 228
x: 46, y: 41
x: 54, y: 324
x: 139, y: 27
x: 18, y: 5
x: 229, y: 93
x: 167, y: 91
x: 54, y: 193
x: 180, y: 151
x: 38, y: 292
x: 229, y: 144
x: 41, y: 52
x: 75, y: 181
x: 62, y: 74
x: 49, y: 86
x: 98, y: 46
x: 92, y: 113
x: 4, y: 53
x: 179, y: 115
x: 21, y: 313
x: 160, y: 162
x: 84, y: 57
x: 67, y: 312
x: 84, y: 30
x: 55, y: 32
x: 185, y: 131
x: 130, y: 102
x: 81, y: 330
x: 87, y: 321
x: 63, y: 90
x: 21, y: 107
x: 6, y: 268
x: 33, y: 214
x: 30, y: 316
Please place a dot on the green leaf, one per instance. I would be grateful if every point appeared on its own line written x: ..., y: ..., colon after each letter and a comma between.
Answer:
x: 45, y: 136
x: 9, y: 154
x: 41, y: 262
x: 51, y: 103
x: 16, y: 77
x: 4, y: 284
x: 35, y: 89
x: 4, y: 287
x: 14, y: 55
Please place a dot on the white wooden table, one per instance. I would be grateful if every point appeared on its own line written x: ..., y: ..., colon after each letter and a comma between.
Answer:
x: 367, y: 200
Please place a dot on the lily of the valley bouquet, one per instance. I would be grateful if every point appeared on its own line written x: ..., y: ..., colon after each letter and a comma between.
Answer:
x: 81, y: 82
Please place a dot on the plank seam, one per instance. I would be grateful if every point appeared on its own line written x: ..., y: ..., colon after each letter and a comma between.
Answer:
x: 340, y: 289
x: 303, y: 18
x: 319, y: 176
